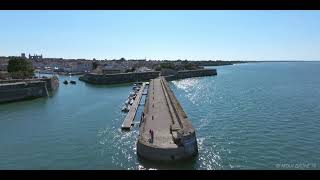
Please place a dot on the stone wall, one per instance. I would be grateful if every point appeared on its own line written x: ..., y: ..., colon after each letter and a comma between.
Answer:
x: 22, y: 90
x: 168, y: 72
x: 166, y: 154
x: 52, y: 82
x: 118, y: 78
x: 18, y: 89
x: 192, y: 73
x: 142, y: 76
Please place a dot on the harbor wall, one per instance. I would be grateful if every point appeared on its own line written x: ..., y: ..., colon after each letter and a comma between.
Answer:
x: 182, y: 132
x: 22, y: 90
x: 52, y: 82
x: 17, y: 89
x: 118, y: 78
x: 149, y: 152
x: 191, y: 73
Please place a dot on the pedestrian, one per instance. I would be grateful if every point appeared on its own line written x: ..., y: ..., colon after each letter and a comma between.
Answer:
x: 150, y: 140
x: 152, y: 136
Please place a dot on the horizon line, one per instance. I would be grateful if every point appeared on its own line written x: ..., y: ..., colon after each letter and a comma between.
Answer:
x: 165, y: 59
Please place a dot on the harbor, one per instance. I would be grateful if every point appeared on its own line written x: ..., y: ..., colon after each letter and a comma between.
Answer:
x: 79, y: 127
x: 159, y: 89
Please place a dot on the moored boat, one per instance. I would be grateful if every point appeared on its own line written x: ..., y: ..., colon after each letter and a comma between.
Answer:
x: 127, y: 102
x: 125, y: 108
x: 132, y: 94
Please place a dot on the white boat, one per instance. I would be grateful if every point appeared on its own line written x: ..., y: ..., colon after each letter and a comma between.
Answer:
x: 131, y: 102
x: 125, y: 108
x: 132, y: 94
x: 127, y: 102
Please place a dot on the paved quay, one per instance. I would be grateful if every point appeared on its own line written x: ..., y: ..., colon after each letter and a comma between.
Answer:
x: 173, y: 135
x: 159, y: 119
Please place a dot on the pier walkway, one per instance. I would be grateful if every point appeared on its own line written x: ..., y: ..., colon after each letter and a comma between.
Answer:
x: 159, y: 118
x: 173, y: 135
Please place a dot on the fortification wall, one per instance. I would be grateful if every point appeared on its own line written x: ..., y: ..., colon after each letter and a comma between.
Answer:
x: 191, y: 73
x: 142, y: 76
x: 22, y: 90
x: 118, y: 78
x: 52, y: 82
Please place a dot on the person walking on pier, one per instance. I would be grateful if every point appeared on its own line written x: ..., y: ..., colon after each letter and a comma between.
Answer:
x: 151, y: 134
x: 142, y: 119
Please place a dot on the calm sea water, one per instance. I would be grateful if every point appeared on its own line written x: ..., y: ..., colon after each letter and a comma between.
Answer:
x: 250, y: 116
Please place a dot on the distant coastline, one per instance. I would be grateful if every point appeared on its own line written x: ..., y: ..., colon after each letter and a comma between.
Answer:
x: 252, y: 61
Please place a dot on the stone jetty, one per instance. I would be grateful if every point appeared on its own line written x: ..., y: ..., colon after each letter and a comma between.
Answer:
x: 166, y: 134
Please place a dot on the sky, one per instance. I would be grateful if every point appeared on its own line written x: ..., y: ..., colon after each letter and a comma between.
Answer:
x: 192, y: 35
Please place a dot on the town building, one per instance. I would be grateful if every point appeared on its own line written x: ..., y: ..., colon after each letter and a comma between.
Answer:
x: 35, y: 57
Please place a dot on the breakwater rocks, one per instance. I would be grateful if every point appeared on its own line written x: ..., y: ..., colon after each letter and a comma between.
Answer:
x: 142, y: 76
x: 191, y: 73
x: 118, y: 78
x: 17, y: 89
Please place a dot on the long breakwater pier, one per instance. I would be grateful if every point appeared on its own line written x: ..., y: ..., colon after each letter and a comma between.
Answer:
x: 165, y: 134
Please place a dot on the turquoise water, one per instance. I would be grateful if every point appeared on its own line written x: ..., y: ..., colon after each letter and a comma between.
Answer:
x: 250, y: 116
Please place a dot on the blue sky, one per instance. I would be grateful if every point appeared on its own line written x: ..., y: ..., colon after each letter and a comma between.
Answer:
x: 226, y: 35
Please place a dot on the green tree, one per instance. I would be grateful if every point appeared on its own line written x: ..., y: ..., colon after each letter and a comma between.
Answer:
x: 190, y: 66
x: 20, y: 68
x: 167, y: 65
x: 158, y: 68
